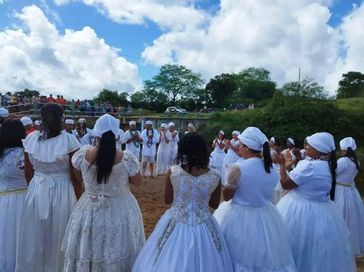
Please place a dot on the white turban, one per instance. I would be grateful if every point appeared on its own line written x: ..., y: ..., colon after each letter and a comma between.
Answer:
x: 26, y: 121
x: 164, y: 125
x: 291, y: 141
x: 81, y: 120
x: 37, y: 123
x: 322, y: 141
x: 131, y: 123
x: 273, y: 140
x: 4, y: 113
x: 149, y: 122
x: 347, y: 142
x: 171, y: 124
x: 253, y: 138
x: 106, y: 123
x: 222, y: 132
x: 69, y: 122
x: 235, y: 132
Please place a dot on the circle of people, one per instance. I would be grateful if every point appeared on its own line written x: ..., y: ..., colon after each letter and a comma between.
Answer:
x: 67, y: 207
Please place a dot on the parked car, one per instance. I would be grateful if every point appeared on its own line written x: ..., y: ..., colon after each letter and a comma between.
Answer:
x: 175, y: 109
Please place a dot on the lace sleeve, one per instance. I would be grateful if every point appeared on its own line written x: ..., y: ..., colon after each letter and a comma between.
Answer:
x: 131, y: 163
x: 78, y: 157
x: 233, y: 176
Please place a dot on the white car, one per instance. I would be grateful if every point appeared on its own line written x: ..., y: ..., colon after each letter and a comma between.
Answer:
x: 175, y: 110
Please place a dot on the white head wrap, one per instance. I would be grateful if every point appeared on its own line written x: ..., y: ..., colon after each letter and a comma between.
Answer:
x: 291, y: 141
x: 235, y: 132
x: 347, y: 142
x: 4, y: 113
x: 171, y: 124
x: 253, y: 138
x: 322, y: 141
x: 149, y: 122
x: 26, y: 121
x: 222, y: 132
x: 164, y: 125
x: 106, y: 123
x: 81, y: 120
x: 272, y: 140
x: 131, y: 123
x: 37, y: 122
x: 69, y: 122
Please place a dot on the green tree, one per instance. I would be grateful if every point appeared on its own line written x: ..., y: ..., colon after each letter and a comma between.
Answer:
x: 351, y: 85
x: 113, y: 97
x: 220, y: 89
x: 307, y: 88
x: 150, y: 99
x: 27, y: 93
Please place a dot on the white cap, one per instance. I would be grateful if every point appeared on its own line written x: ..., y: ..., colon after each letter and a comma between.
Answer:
x: 37, y: 122
x: 347, y: 142
x: 4, y: 113
x: 26, y: 121
x: 69, y: 122
x: 81, y: 120
x: 291, y: 141
x: 322, y: 141
x: 106, y: 123
x: 253, y: 138
x: 148, y: 122
x: 235, y: 132
x: 164, y: 125
x: 131, y: 123
x: 171, y: 124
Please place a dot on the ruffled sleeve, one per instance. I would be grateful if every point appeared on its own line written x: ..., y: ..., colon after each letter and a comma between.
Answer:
x: 233, y: 176
x: 131, y: 164
x: 341, y: 165
x: 79, y: 156
x: 302, y: 173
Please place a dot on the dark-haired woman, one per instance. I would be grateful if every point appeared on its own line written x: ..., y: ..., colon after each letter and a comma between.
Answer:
x: 51, y: 195
x: 13, y: 189
x: 320, y: 238
x: 105, y: 231
x: 253, y: 228
x: 187, y: 238
x: 347, y: 197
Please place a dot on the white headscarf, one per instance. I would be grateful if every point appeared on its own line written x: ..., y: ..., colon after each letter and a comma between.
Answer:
x: 148, y: 122
x: 106, y: 123
x: 164, y: 125
x: 235, y: 132
x: 4, y: 113
x: 131, y: 123
x: 222, y: 132
x: 272, y: 140
x: 291, y: 141
x: 171, y: 124
x: 37, y: 122
x: 26, y: 121
x: 81, y: 120
x: 69, y: 122
x: 347, y: 142
x: 322, y: 141
x: 253, y: 138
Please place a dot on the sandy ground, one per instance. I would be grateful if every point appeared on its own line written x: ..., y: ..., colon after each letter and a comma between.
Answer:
x: 151, y: 200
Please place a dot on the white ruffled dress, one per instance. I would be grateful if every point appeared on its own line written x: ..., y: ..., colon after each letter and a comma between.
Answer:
x: 187, y: 238
x: 105, y: 231
x: 13, y: 189
x: 320, y: 238
x: 48, y: 204
x: 349, y: 203
x: 253, y: 228
x: 217, y: 157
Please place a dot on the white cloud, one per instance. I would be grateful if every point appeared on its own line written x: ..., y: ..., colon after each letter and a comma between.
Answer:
x: 77, y: 64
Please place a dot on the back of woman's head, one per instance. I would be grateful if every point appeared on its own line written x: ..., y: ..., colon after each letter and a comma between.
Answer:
x: 193, y: 152
x: 350, y: 153
x: 51, y: 115
x: 105, y: 158
x: 11, y: 134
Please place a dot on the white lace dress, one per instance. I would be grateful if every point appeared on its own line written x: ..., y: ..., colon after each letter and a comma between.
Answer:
x: 187, y: 238
x: 105, y: 231
x: 13, y: 189
x: 48, y: 204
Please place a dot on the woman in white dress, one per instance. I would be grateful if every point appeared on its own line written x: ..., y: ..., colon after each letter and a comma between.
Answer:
x: 253, y: 228
x: 232, y: 154
x: 274, y: 145
x: 105, y: 231
x: 174, y: 142
x: 51, y: 195
x: 218, y: 154
x: 320, y: 238
x: 347, y: 197
x: 164, y: 154
x: 13, y: 189
x: 187, y: 238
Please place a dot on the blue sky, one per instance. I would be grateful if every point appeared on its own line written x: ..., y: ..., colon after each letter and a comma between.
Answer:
x: 131, y: 38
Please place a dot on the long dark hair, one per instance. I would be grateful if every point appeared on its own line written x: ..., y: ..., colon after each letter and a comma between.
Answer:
x: 51, y: 115
x: 105, y: 157
x: 192, y: 152
x: 266, y: 157
x: 350, y: 153
x: 11, y: 134
x: 333, y: 166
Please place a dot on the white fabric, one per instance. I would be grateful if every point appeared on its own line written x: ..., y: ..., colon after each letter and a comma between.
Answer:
x: 347, y: 142
x: 253, y: 138
x: 69, y: 122
x: 171, y: 124
x: 164, y: 154
x: 291, y: 141
x: 88, y: 139
x: 106, y: 123
x: 230, y: 158
x: 322, y: 141
x: 217, y: 156
x: 131, y: 123
x: 148, y: 122
x: 235, y: 132
x: 26, y: 121
x: 37, y: 122
x: 105, y: 230
x: 164, y: 125
x: 272, y: 140
x: 120, y: 139
x: 81, y: 120
x: 4, y: 113
x: 149, y: 143
x: 133, y: 146
x: 174, y: 146
x: 187, y: 237
x: 222, y: 132
x: 346, y: 170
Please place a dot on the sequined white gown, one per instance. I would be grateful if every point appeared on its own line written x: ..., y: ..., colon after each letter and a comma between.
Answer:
x: 187, y: 237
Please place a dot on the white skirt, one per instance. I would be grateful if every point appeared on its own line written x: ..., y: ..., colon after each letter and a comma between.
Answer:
x: 178, y: 247
x: 256, y: 237
x: 230, y: 158
x: 320, y: 237
x: 350, y: 206
x: 217, y: 160
x: 11, y: 208
x: 103, y: 234
x: 48, y: 206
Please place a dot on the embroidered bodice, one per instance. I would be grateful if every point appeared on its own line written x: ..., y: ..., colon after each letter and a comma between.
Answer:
x: 12, y: 170
x: 192, y: 195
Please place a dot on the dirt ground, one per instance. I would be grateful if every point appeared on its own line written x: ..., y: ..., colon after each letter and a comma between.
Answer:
x: 151, y: 200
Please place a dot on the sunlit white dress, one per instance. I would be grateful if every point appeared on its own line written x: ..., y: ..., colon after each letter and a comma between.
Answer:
x: 13, y: 189
x: 230, y: 158
x: 48, y: 204
x: 320, y: 238
x: 187, y: 238
x: 217, y: 157
x: 349, y: 203
x: 254, y: 230
x: 105, y: 231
